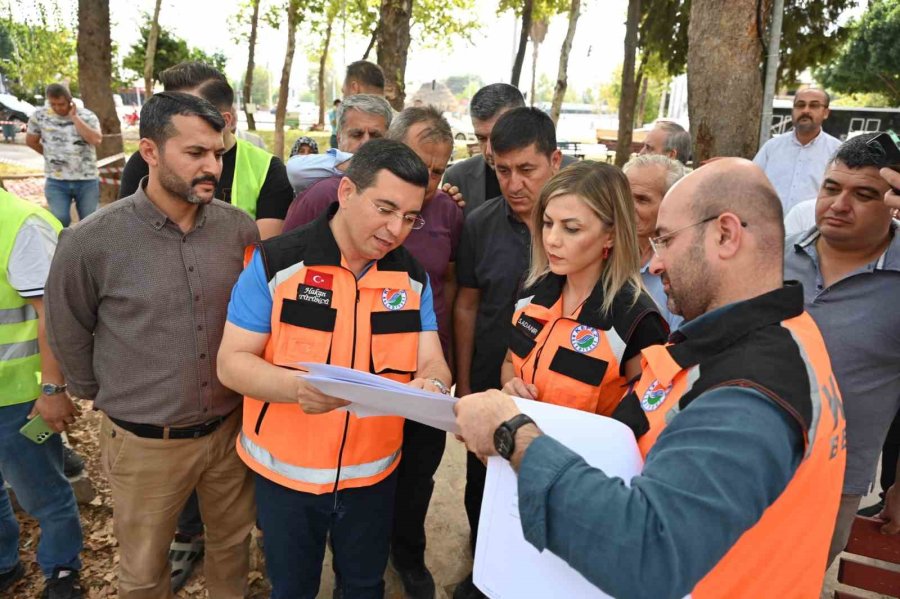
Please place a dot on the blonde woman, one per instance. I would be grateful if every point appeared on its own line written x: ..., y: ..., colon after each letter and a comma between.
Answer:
x: 584, y: 317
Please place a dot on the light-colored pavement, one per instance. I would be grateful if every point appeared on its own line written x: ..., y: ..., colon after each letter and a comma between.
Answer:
x: 18, y: 154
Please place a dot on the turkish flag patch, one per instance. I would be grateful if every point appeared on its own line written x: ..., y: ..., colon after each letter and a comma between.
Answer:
x: 318, y: 279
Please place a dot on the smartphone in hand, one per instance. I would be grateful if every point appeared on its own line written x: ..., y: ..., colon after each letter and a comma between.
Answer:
x: 37, y: 430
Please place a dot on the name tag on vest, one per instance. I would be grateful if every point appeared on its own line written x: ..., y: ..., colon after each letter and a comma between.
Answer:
x: 530, y: 326
x: 314, y: 295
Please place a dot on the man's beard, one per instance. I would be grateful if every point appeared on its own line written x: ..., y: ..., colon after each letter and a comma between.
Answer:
x: 180, y: 188
x: 692, y: 293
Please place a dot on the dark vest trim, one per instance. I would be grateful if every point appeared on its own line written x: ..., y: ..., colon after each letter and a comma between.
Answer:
x: 403, y: 321
x: 309, y: 316
x: 519, y: 343
x: 581, y: 367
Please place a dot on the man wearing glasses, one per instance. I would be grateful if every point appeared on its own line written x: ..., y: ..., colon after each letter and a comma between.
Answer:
x: 339, y: 291
x: 746, y: 422
x: 796, y: 160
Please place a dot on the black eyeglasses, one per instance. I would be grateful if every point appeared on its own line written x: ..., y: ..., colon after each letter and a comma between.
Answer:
x: 659, y: 244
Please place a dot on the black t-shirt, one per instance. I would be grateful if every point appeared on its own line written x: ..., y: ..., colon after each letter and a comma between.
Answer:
x: 275, y: 197
x: 491, y: 185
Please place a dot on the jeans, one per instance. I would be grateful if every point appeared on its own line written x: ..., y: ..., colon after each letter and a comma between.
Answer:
x: 295, y: 526
x: 423, y: 448
x: 60, y: 194
x: 35, y: 473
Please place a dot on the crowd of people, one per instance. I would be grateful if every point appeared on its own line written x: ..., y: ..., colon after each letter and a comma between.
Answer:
x: 756, y: 369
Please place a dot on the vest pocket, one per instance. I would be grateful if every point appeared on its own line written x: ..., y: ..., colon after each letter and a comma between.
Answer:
x: 581, y: 367
x: 305, y: 334
x: 395, y: 342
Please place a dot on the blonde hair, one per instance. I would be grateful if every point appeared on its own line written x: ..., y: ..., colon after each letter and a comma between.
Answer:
x: 605, y: 190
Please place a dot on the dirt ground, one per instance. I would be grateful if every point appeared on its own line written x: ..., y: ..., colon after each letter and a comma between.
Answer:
x: 447, y: 555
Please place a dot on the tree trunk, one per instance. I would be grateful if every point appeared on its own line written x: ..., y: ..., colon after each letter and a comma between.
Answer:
x: 724, y: 83
x: 537, y: 34
x: 95, y: 81
x: 527, y: 10
x: 248, y: 78
x: 281, y: 107
x: 562, y: 79
x: 629, y: 89
x: 393, y: 47
x: 150, y: 52
x: 640, y: 83
x: 534, y: 57
x: 322, y: 60
x: 372, y: 41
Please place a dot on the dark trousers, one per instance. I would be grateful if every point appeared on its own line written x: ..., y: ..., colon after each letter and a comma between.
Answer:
x: 190, y: 524
x: 295, y: 526
x: 423, y: 448
x: 476, y: 472
x: 889, y: 453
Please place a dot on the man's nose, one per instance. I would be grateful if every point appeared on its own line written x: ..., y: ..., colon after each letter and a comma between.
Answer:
x: 656, y: 265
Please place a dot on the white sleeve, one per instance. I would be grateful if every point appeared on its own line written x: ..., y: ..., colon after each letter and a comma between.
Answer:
x: 29, y: 261
x: 760, y: 159
x: 800, y: 218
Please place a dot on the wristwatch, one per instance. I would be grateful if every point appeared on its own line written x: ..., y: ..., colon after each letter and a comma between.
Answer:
x: 505, y: 435
x: 441, y: 386
x: 51, y: 389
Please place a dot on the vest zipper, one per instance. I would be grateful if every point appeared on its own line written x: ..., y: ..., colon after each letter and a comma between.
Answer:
x: 337, y: 477
x: 537, y: 356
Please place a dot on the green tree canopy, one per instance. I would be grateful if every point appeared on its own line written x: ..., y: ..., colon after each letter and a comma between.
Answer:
x: 870, y: 61
x: 170, y: 50
x: 35, y: 53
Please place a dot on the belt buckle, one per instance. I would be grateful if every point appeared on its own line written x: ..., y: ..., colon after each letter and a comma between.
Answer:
x: 165, y: 434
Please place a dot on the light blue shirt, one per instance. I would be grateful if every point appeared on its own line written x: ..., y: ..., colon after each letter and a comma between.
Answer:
x: 304, y: 171
x: 796, y: 171
x: 654, y: 287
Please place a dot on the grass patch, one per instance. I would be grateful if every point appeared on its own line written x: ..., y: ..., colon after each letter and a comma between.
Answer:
x: 12, y: 169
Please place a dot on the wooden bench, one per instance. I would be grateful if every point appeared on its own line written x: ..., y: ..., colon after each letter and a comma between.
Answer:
x: 866, y: 540
x: 573, y: 148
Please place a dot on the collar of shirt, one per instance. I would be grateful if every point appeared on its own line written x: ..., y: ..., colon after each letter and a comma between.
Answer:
x: 889, y: 259
x: 152, y: 215
x: 510, y: 215
x: 711, y: 333
x: 811, y: 143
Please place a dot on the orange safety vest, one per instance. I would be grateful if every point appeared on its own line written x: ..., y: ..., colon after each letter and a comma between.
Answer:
x: 322, y: 313
x: 784, y: 554
x: 576, y: 362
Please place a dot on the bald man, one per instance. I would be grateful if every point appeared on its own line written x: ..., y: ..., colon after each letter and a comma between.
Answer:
x: 744, y: 422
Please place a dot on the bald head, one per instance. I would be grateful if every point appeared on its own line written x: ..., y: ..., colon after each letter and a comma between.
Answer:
x: 720, y: 237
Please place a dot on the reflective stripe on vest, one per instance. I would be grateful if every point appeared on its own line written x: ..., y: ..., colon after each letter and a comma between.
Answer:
x: 20, y: 361
x: 316, y: 476
x: 17, y: 315
x: 784, y: 553
x: 251, y: 165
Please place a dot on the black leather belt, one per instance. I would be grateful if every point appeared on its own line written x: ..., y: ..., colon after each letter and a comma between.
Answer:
x: 149, y: 431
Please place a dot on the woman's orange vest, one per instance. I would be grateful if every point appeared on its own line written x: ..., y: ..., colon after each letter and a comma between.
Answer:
x: 322, y: 313
x: 784, y: 554
x: 576, y: 362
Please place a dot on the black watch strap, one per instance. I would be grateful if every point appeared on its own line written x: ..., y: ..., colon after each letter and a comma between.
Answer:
x: 505, y: 435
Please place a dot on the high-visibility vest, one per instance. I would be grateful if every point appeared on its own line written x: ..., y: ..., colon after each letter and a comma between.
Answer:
x: 251, y: 165
x: 576, y: 361
x: 321, y: 313
x: 784, y: 554
x: 20, y: 359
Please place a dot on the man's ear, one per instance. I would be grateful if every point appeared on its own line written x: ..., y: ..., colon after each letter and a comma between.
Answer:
x: 556, y: 160
x: 229, y: 120
x: 345, y: 189
x: 149, y: 151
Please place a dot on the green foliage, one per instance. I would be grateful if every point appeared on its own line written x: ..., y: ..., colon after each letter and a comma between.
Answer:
x: 871, y: 100
x: 542, y: 9
x: 434, y: 23
x: 459, y: 85
x: 870, y: 61
x: 36, y: 51
x: 259, y: 92
x: 170, y: 50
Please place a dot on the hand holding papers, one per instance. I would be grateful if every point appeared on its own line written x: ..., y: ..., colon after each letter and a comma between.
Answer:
x: 506, y: 565
x: 372, y: 395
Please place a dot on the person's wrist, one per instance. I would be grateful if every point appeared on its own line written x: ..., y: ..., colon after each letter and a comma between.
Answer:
x: 524, y: 436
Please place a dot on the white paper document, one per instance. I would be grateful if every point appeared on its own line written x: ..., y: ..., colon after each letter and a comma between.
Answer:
x: 374, y: 395
x: 506, y: 565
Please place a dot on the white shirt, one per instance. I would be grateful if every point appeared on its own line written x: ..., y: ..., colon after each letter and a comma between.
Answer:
x: 29, y: 261
x: 796, y: 171
x: 801, y: 218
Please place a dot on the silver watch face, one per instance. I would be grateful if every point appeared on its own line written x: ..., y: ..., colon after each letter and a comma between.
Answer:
x: 51, y: 389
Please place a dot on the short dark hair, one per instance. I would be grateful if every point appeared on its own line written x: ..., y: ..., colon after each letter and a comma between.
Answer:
x: 157, y: 113
x: 856, y: 153
x: 336, y: 102
x: 218, y: 93
x: 521, y: 127
x: 367, y: 73
x: 437, y: 131
x: 493, y: 98
x: 381, y: 154
x: 57, y: 90
x: 188, y: 75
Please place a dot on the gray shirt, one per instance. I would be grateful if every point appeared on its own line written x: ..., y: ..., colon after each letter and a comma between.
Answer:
x: 67, y: 156
x: 136, y: 308
x: 861, y: 327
